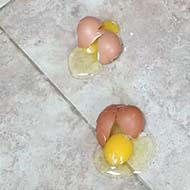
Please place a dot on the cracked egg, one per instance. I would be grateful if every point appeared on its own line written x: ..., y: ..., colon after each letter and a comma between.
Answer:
x: 98, y: 38
x: 124, y: 146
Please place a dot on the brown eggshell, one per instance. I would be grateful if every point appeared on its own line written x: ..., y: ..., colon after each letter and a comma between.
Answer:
x: 109, y: 47
x: 88, y: 31
x: 131, y: 120
x: 105, y: 122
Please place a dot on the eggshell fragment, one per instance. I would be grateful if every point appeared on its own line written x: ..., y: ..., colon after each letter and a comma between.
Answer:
x: 105, y: 122
x: 131, y: 120
x: 88, y: 31
x: 109, y: 47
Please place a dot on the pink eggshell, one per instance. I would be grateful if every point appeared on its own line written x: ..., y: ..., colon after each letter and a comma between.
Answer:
x: 105, y: 122
x: 131, y: 120
x: 88, y: 31
x: 109, y: 47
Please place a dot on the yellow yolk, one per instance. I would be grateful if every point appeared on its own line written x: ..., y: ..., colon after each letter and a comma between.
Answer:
x: 118, y: 149
x: 92, y: 49
x: 110, y: 26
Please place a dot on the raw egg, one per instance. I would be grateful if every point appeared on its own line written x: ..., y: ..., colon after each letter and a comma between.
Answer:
x: 83, y: 64
x: 109, y: 47
x: 143, y: 150
x: 124, y: 149
x: 98, y: 43
x: 118, y: 149
x: 88, y: 31
x: 110, y: 26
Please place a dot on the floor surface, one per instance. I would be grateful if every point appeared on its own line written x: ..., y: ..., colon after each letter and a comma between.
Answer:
x: 47, y: 118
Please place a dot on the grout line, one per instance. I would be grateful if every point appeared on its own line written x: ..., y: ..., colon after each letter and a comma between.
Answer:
x: 147, y: 186
x: 6, y: 4
x: 138, y: 178
x: 58, y: 90
x: 72, y: 106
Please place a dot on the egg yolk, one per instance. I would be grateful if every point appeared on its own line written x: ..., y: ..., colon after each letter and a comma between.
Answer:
x: 93, y: 48
x: 118, y: 149
x: 111, y: 26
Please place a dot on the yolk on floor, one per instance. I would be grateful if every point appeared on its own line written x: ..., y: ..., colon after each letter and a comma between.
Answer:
x: 118, y: 149
x: 110, y: 26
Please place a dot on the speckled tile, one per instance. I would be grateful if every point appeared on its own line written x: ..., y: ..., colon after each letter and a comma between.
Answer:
x: 153, y: 71
x: 44, y: 144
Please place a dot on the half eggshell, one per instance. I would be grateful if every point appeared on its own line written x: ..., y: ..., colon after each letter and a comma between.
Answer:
x: 130, y: 120
x: 109, y: 47
x: 88, y: 31
x: 105, y: 122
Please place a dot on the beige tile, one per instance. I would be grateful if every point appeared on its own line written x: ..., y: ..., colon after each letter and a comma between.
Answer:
x: 153, y: 71
x: 44, y: 144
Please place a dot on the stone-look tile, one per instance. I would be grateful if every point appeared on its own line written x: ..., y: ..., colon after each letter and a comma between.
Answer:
x: 3, y: 3
x: 153, y: 71
x: 44, y: 145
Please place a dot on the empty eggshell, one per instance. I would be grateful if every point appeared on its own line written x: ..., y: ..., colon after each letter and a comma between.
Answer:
x: 131, y: 120
x: 109, y: 47
x: 105, y: 122
x: 88, y: 31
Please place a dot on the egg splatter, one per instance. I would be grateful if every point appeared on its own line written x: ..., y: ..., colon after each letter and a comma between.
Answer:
x: 96, y: 37
x: 143, y: 153
x: 120, y: 133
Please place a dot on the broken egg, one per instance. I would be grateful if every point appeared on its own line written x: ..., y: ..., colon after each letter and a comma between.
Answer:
x: 125, y: 149
x: 99, y: 39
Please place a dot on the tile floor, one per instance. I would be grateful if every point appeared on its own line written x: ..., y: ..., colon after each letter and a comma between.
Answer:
x: 41, y: 104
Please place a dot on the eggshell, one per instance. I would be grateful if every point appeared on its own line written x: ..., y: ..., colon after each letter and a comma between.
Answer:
x: 88, y: 31
x: 109, y: 47
x: 131, y: 120
x: 105, y: 122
